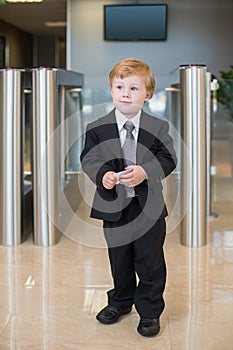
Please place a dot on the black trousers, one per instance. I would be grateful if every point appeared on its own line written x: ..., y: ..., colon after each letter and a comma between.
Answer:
x: 140, y: 255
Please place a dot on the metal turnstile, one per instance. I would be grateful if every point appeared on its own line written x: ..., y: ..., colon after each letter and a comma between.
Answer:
x: 34, y: 104
x: 48, y: 86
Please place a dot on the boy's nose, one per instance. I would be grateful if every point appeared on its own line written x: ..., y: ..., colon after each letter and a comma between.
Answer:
x: 126, y: 93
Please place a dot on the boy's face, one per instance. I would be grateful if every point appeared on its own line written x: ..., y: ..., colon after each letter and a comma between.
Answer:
x: 129, y: 94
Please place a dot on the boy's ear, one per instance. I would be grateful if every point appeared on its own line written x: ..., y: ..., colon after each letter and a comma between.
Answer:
x: 148, y: 96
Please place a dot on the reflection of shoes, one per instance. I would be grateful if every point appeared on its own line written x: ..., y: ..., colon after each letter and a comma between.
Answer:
x: 110, y: 314
x: 149, y: 327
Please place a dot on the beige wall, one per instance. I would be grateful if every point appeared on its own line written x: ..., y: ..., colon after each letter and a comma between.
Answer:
x: 199, y: 31
x: 20, y: 45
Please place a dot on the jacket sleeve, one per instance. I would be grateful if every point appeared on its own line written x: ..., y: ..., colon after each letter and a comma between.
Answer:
x: 93, y: 163
x: 163, y: 157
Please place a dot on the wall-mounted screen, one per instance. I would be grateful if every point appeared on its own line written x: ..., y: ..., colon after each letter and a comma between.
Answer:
x: 135, y: 22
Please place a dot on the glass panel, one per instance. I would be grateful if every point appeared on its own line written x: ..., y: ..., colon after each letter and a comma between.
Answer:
x: 73, y: 110
x: 222, y: 142
x: 27, y: 135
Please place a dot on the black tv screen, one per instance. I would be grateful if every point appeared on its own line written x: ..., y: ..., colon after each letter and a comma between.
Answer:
x: 135, y: 22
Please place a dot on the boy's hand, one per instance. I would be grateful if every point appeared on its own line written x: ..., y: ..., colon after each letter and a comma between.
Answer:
x: 135, y: 177
x: 109, y: 180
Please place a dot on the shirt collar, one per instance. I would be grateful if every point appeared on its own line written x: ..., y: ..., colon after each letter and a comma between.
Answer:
x: 121, y: 119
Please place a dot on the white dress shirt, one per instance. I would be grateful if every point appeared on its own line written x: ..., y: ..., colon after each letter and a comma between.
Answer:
x: 121, y: 120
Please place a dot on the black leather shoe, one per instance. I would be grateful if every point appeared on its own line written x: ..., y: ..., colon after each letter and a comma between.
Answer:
x: 110, y: 314
x: 148, y: 327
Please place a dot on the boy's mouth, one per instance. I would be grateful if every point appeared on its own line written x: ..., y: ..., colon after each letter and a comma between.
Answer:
x: 125, y: 102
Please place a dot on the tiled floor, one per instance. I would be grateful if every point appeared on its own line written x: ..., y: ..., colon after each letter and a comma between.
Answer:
x: 50, y: 296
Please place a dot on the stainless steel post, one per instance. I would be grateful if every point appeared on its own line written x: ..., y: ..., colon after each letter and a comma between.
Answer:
x: 11, y: 107
x: 49, y: 185
x: 45, y: 157
x: 193, y: 178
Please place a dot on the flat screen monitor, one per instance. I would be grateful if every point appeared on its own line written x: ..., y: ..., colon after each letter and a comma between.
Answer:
x: 135, y: 22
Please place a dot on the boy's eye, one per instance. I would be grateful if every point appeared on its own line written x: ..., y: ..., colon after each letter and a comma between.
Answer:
x: 134, y: 88
x: 119, y: 87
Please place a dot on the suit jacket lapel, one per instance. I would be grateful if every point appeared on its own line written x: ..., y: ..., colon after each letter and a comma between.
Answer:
x: 111, y: 126
x: 146, y: 135
x: 111, y: 133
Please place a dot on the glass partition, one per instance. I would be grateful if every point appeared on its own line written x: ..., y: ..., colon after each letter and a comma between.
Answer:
x: 222, y: 142
x: 73, y: 107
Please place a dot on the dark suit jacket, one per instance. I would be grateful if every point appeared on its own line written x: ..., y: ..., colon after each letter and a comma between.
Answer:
x: 102, y: 152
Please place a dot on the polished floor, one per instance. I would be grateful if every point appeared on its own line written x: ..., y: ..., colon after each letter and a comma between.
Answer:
x: 50, y: 296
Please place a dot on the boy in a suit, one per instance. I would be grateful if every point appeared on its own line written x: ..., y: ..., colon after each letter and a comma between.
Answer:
x: 131, y: 205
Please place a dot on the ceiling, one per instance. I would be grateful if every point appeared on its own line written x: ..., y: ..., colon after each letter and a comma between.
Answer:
x: 31, y: 17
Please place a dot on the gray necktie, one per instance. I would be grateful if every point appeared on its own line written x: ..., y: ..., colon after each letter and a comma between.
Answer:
x: 129, y: 152
x: 129, y: 146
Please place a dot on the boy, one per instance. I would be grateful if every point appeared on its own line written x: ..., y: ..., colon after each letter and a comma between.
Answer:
x: 131, y: 203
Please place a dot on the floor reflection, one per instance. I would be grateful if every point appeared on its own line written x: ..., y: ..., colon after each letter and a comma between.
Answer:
x: 50, y: 296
